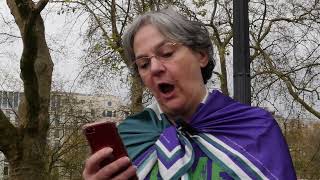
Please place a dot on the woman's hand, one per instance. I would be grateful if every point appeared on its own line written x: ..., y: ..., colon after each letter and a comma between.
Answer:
x: 120, y: 169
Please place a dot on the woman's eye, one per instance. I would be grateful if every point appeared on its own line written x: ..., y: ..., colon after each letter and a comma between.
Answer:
x: 167, y: 54
x: 143, y: 65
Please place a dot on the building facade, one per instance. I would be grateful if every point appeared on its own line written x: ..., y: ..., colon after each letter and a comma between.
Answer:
x: 68, y: 112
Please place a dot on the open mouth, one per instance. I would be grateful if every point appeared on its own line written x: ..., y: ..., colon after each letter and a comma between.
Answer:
x: 166, y: 88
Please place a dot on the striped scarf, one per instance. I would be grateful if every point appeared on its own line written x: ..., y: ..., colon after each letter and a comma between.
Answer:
x: 245, y: 141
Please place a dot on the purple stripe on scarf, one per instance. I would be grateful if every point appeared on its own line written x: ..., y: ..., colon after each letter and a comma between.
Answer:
x: 168, y: 163
x: 169, y: 138
x: 256, y: 133
x: 139, y: 160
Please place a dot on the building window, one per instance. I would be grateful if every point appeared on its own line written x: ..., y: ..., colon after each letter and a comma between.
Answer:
x: 58, y: 101
x: 53, y: 102
x: 10, y: 99
x: 0, y: 99
x: 93, y: 113
x: 114, y: 114
x: 109, y: 113
x: 56, y: 144
x: 15, y: 99
x: 6, y: 170
x: 56, y: 133
x: 4, y: 100
x: 109, y: 103
x: 56, y: 121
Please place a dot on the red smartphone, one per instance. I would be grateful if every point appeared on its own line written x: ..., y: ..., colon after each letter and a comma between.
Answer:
x: 105, y: 134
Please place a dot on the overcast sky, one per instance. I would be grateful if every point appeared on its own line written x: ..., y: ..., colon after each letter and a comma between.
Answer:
x: 63, y: 39
x: 66, y: 48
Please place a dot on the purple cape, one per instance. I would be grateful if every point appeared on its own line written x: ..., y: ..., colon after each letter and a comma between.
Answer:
x: 248, y: 136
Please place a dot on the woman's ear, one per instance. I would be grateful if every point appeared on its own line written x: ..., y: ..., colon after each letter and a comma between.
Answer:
x: 203, y: 58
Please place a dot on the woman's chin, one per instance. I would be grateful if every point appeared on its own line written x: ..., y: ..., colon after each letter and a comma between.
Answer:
x: 173, y: 109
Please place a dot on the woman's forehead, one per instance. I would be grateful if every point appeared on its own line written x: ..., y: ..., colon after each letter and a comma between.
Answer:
x: 148, y: 36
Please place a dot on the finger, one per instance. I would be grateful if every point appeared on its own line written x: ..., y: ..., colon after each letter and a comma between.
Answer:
x: 93, y: 162
x: 131, y: 172
x: 114, y: 168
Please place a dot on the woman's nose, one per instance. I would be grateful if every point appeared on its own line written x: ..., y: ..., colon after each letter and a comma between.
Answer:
x: 156, y: 66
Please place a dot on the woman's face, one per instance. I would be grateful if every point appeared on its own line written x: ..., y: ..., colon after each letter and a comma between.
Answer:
x: 172, y: 73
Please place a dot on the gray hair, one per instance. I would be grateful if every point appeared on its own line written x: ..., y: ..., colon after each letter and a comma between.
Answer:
x: 176, y: 28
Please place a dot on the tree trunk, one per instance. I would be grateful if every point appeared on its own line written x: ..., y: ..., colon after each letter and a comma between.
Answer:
x: 29, y: 160
x: 136, y: 90
x: 26, y: 151
x: 223, y: 68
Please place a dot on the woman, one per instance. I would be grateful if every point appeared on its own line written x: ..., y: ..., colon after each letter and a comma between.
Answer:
x: 189, y: 133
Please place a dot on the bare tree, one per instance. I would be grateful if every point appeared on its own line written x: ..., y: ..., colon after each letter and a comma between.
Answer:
x: 25, y: 145
x: 285, y: 55
x: 107, y: 21
x: 104, y: 55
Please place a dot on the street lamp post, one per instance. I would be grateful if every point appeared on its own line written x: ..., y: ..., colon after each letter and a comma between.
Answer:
x: 241, y: 52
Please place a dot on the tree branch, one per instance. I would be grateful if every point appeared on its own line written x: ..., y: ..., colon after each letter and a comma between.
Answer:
x: 23, y: 6
x: 289, y: 85
x: 263, y: 19
x: 8, y: 133
x: 40, y: 5
x: 115, y: 34
x: 214, y: 11
x: 11, y: 35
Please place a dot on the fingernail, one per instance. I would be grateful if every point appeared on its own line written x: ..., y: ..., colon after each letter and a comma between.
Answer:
x: 125, y: 158
x: 108, y: 149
